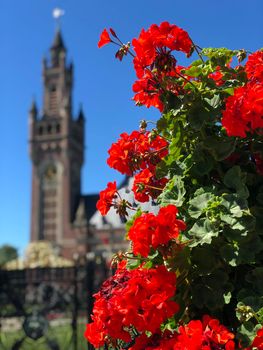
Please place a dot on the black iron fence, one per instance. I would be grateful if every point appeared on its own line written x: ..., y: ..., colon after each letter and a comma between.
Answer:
x: 47, y: 308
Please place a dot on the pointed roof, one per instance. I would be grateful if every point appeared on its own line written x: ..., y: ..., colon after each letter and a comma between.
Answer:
x: 33, y: 108
x: 58, y: 43
x: 81, y: 113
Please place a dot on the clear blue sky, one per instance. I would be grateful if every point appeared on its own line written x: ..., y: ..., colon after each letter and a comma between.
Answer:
x: 102, y: 84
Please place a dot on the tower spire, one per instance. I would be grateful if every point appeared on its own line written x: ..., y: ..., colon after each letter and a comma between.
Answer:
x: 33, y: 109
x: 58, y: 49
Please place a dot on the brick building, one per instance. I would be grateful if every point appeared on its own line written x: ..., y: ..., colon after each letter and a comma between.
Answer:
x: 60, y: 213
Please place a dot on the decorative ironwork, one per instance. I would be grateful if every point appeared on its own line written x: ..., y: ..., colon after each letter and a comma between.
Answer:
x: 48, y: 305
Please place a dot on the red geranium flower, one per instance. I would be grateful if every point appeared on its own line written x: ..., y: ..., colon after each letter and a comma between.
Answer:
x: 139, y: 298
x: 244, y: 110
x: 104, y: 38
x: 153, y: 47
x: 254, y: 66
x: 147, y: 91
x: 258, y: 341
x: 146, y: 185
x: 106, y: 198
x: 206, y: 335
x: 151, y: 231
x: 136, y: 151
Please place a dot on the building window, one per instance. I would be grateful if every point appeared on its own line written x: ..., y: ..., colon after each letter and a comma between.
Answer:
x: 49, y: 129
x: 53, y: 103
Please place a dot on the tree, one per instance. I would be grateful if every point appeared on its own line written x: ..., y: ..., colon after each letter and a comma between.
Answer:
x: 7, y: 253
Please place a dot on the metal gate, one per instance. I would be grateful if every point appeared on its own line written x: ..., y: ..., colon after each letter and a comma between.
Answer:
x: 47, y: 308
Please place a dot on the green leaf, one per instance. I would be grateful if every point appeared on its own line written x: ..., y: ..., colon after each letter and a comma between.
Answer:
x: 255, y: 277
x: 235, y: 179
x: 227, y: 297
x: 247, y: 332
x: 248, y: 248
x: 194, y: 70
x: 202, y: 163
x: 234, y: 204
x: 133, y: 263
x: 199, y: 203
x: 202, y: 232
x: 173, y: 192
x: 229, y: 254
x: 204, y: 258
x: 198, y: 114
x: 220, y: 148
x: 214, y: 102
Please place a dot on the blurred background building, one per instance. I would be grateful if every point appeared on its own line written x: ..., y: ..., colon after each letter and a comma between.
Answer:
x: 60, y: 213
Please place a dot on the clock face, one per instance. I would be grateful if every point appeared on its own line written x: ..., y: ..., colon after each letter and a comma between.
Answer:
x: 50, y: 172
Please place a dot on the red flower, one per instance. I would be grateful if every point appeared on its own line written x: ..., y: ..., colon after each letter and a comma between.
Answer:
x: 244, y: 111
x: 153, y: 47
x: 145, y: 185
x: 147, y: 91
x: 157, y: 341
x: 104, y: 38
x: 136, y: 151
x: 217, y: 76
x: 139, y: 298
x: 206, y: 335
x: 151, y: 231
x: 154, y: 61
x: 254, y: 66
x: 106, y: 198
x: 258, y: 341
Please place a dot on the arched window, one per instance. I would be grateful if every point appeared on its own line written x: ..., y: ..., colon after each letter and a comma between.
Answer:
x: 53, y: 103
x: 49, y: 129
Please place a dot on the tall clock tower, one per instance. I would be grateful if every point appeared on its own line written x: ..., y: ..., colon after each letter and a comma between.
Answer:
x: 56, y: 151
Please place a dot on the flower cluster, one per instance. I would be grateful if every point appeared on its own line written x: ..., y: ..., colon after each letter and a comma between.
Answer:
x: 132, y: 301
x: 254, y: 67
x: 154, y: 46
x: 146, y: 185
x: 243, y: 113
x: 151, y: 231
x: 207, y: 334
x: 161, y: 341
x: 136, y: 151
x: 154, y: 60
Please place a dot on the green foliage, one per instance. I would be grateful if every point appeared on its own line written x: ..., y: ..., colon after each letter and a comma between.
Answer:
x: 7, y: 253
x: 214, y: 182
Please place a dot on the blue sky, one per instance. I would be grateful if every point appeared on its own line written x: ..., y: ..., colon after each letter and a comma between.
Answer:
x: 102, y: 84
